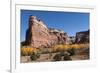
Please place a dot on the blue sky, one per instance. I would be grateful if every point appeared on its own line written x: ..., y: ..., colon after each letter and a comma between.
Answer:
x: 70, y: 22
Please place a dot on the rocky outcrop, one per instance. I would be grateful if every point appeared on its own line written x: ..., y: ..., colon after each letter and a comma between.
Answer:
x: 38, y: 35
x: 71, y: 39
x: 82, y: 37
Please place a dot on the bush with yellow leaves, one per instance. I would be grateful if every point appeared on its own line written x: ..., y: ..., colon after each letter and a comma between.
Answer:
x: 61, y: 47
x: 26, y: 50
x: 66, y: 47
x: 79, y: 46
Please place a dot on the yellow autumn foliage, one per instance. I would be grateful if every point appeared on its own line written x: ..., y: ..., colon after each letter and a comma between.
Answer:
x: 80, y: 46
x: 28, y: 50
x: 61, y: 47
x: 68, y: 46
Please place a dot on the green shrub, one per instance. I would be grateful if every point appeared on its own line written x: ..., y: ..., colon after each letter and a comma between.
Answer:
x: 62, y: 53
x: 71, y: 52
x: 57, y: 57
x: 34, y: 56
x: 38, y: 55
x: 66, y: 57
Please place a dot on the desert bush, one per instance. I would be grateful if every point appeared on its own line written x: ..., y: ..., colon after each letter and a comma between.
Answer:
x: 80, y: 46
x: 26, y: 51
x: 66, y: 57
x: 57, y: 57
x: 38, y: 55
x: 45, y: 50
x: 62, y: 53
x: 62, y: 47
x: 71, y: 52
x: 84, y: 46
x: 34, y: 56
x: 75, y: 46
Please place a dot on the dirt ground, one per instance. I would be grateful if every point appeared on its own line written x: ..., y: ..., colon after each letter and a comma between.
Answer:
x: 81, y: 55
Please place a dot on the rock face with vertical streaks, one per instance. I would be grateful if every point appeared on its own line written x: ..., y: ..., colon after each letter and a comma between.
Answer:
x: 82, y: 37
x: 39, y: 35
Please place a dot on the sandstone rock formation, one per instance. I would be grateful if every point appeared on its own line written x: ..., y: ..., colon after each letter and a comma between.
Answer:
x: 82, y: 37
x: 71, y: 39
x: 38, y: 35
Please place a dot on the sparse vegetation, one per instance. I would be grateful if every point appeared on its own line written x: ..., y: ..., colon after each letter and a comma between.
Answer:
x: 34, y: 56
x: 57, y: 57
x: 60, y: 47
x: 61, y: 52
x: 27, y: 51
x: 66, y: 57
x: 71, y: 51
x: 62, y: 56
x: 67, y: 47
x: 44, y: 50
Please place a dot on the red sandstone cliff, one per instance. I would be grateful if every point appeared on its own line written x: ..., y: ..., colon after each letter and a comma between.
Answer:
x: 38, y: 35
